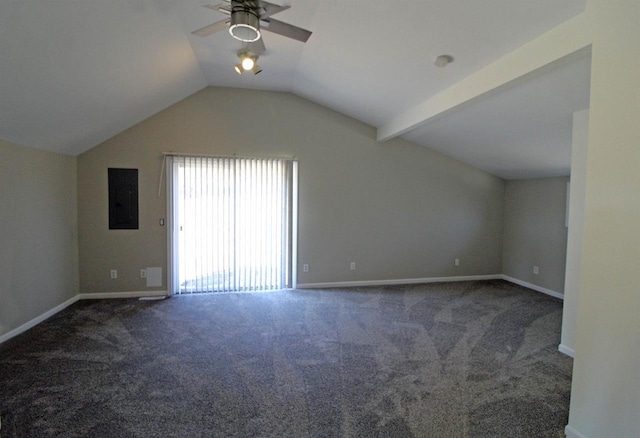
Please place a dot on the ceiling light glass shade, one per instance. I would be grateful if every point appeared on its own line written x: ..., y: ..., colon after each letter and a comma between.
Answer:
x: 256, y: 69
x: 247, y: 63
x: 245, y: 26
x: 238, y: 68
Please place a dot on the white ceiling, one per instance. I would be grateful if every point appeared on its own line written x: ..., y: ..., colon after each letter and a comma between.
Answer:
x: 74, y: 73
x: 520, y: 132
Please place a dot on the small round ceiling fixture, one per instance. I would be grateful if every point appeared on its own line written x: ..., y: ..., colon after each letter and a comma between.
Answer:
x: 443, y: 60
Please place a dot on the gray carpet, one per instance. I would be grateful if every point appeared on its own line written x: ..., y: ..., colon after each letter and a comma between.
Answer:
x: 469, y: 359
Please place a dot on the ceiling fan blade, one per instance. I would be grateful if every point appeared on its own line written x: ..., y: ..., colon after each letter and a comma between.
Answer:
x: 212, y: 28
x: 257, y: 47
x: 221, y: 7
x: 213, y: 7
x: 285, y: 29
x: 271, y: 9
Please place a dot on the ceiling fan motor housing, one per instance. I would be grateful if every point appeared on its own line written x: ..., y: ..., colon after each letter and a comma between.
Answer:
x: 245, y: 23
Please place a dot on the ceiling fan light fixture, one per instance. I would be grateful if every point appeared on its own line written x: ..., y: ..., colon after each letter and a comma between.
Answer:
x: 248, y: 63
x: 245, y: 26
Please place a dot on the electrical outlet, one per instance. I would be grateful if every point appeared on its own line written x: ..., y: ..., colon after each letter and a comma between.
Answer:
x: 353, y: 266
x: 456, y: 262
x: 143, y: 273
x: 536, y: 270
x: 114, y: 273
x: 305, y: 268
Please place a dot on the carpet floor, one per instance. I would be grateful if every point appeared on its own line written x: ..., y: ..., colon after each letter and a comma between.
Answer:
x: 468, y: 359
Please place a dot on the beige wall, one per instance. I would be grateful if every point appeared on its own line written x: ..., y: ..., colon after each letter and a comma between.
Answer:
x: 38, y: 229
x: 396, y: 209
x: 535, y: 232
x: 605, y: 398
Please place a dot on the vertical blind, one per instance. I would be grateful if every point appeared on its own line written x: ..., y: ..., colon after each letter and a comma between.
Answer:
x: 231, y: 223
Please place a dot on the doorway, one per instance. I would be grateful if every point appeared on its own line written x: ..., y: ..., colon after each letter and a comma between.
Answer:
x: 232, y: 223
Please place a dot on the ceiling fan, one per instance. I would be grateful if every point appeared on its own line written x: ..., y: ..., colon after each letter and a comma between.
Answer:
x: 248, y: 17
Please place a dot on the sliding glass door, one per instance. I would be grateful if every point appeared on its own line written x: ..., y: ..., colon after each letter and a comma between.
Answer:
x: 231, y: 223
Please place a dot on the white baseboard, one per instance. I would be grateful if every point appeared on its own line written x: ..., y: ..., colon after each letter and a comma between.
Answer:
x: 139, y: 294
x: 566, y: 350
x: 96, y: 296
x: 533, y: 286
x: 570, y: 432
x: 430, y: 280
x: 397, y: 281
x: 35, y: 321
x: 131, y: 294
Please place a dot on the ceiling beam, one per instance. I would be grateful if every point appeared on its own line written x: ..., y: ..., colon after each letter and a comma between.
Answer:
x: 561, y: 44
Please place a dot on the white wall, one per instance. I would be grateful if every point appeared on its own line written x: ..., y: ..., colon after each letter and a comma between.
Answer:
x: 535, y: 232
x: 38, y: 233
x: 576, y: 230
x: 605, y: 398
x: 399, y: 210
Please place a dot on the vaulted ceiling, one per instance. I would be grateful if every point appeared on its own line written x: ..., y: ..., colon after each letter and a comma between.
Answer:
x: 74, y: 73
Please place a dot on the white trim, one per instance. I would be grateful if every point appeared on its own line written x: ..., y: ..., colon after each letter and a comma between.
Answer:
x: 238, y: 157
x: 566, y: 350
x: 132, y: 294
x: 158, y: 293
x: 95, y: 296
x: 294, y: 226
x: 571, y: 432
x: 171, y: 238
x: 432, y: 280
x: 398, y: 281
x: 37, y: 320
x: 533, y: 286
